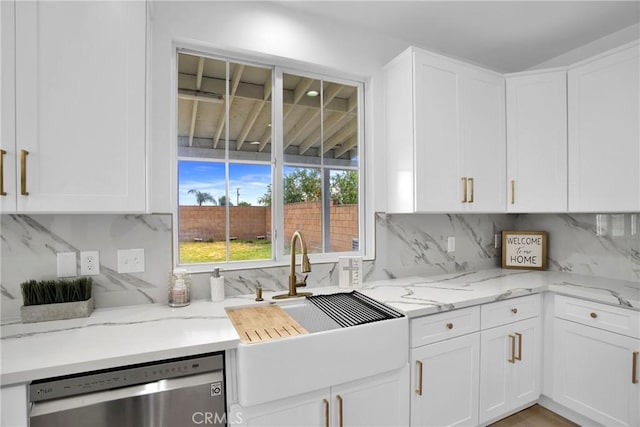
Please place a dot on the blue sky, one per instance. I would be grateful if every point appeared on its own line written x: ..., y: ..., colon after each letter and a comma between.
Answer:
x: 208, y: 177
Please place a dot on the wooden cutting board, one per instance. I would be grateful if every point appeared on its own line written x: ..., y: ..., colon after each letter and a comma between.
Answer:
x: 264, y: 323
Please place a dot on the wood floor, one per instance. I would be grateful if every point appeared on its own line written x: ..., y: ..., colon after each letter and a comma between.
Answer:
x: 535, y: 416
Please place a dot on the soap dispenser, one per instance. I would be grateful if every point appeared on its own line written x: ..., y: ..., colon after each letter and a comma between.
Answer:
x: 217, y: 286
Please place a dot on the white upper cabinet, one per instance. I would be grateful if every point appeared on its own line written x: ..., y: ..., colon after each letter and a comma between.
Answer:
x: 7, y: 108
x: 79, y: 108
x: 537, y: 142
x: 445, y: 135
x: 604, y: 133
x: 482, y: 147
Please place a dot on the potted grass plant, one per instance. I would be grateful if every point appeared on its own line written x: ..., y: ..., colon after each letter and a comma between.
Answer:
x: 56, y: 299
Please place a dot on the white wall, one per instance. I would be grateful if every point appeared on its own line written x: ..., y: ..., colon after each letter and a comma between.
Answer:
x: 596, y: 47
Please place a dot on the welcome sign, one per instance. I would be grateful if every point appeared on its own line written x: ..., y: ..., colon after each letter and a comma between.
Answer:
x: 524, y: 250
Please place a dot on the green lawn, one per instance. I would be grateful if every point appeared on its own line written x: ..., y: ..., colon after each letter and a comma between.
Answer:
x: 199, y: 252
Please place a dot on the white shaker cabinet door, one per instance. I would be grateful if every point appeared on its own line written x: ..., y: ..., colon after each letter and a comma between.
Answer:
x: 510, y: 376
x: 80, y: 105
x: 604, y: 133
x: 437, y: 134
x: 537, y: 142
x: 483, y: 140
x: 8, y: 187
x: 445, y: 378
x: 309, y: 409
x: 378, y: 401
x: 594, y: 373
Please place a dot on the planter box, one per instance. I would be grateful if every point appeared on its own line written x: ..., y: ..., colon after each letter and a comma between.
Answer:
x: 61, y: 311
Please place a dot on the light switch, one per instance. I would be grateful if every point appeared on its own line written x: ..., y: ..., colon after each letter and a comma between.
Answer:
x: 131, y: 261
x: 67, y: 265
x: 451, y: 244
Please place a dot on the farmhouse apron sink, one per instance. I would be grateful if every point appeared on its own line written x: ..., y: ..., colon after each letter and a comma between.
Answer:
x: 348, y: 336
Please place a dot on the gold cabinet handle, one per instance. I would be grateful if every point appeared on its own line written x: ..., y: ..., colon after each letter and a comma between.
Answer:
x: 464, y: 190
x: 594, y: 315
x: 23, y: 172
x: 634, y: 367
x: 471, y: 184
x: 2, y: 192
x: 449, y: 325
x: 326, y: 412
x: 513, y: 192
x: 514, y: 310
x: 512, y: 359
x: 419, y: 388
x: 339, y: 410
x: 519, y: 356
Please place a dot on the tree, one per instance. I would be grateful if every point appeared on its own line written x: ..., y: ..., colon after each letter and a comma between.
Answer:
x: 243, y: 203
x: 302, y: 185
x: 344, y: 188
x: 222, y: 201
x: 202, y: 197
x: 305, y: 185
x: 265, y: 199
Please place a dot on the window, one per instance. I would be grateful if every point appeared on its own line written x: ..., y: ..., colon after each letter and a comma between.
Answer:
x: 262, y: 152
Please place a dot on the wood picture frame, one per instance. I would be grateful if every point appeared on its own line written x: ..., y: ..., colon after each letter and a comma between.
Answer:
x: 526, y: 250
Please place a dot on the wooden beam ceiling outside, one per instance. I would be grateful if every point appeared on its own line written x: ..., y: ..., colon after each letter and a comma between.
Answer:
x: 194, y: 109
x: 235, y: 82
x: 339, y: 129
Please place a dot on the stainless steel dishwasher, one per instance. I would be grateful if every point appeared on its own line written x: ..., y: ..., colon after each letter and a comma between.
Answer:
x: 180, y: 392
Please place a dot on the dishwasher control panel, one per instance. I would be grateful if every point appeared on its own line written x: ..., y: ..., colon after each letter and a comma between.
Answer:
x: 89, y: 382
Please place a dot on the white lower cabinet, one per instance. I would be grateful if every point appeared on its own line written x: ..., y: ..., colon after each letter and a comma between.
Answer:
x: 446, y: 382
x: 476, y: 364
x: 377, y: 401
x: 509, y: 367
x: 380, y: 401
x: 596, y: 371
x: 305, y: 410
x: 14, y: 406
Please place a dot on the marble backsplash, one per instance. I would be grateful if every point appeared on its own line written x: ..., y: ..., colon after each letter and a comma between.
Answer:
x: 602, y: 245
x: 30, y: 244
x: 597, y: 245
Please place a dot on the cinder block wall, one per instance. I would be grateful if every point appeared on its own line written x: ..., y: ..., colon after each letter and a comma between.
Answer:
x: 206, y: 223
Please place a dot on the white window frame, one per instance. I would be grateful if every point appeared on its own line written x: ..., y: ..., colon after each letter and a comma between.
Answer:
x: 365, y: 228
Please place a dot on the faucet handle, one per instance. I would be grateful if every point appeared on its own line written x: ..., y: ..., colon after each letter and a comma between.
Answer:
x: 301, y: 281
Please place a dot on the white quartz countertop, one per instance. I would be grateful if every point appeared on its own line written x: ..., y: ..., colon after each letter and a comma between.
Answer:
x: 136, y: 334
x: 420, y: 296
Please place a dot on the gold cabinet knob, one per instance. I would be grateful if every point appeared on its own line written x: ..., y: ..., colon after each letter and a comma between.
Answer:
x: 514, y: 310
x: 594, y: 315
x: 449, y: 325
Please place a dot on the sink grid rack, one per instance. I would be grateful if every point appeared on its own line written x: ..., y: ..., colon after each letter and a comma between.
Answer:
x: 353, y: 308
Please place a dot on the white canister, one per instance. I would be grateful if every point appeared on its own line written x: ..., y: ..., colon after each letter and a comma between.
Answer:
x: 217, y: 286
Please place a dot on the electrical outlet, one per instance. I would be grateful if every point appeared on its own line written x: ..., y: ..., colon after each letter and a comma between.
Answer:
x: 131, y: 261
x: 67, y: 266
x: 89, y: 263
